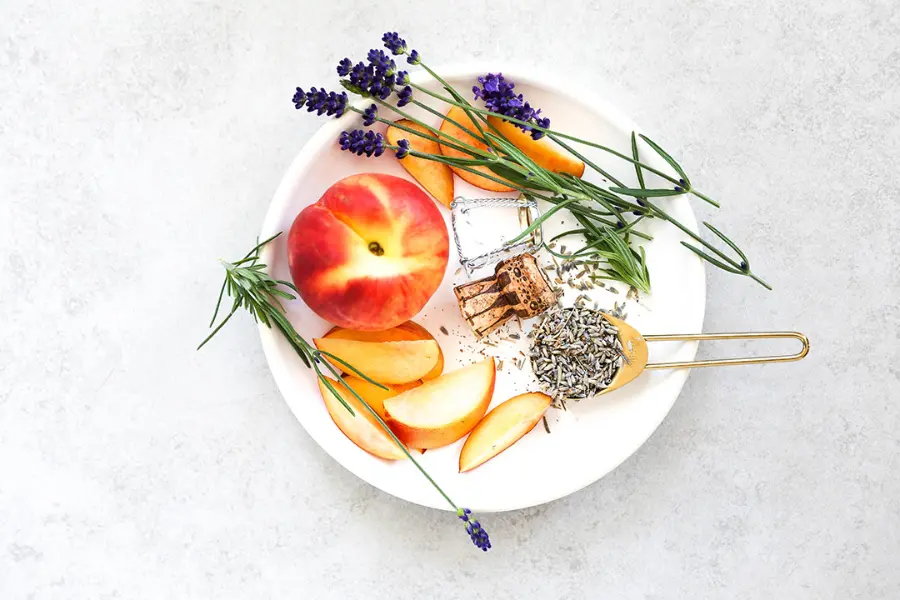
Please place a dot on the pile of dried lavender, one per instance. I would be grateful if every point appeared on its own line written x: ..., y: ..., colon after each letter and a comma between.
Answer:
x: 575, y: 352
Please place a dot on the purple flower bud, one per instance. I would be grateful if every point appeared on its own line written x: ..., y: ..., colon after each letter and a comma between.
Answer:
x: 540, y: 122
x: 499, y: 97
x: 381, y: 61
x: 321, y: 102
x: 394, y: 43
x: 402, y: 77
x: 402, y: 148
x: 299, y: 98
x: 343, y: 67
x: 474, y: 529
x: 404, y: 96
x: 361, y: 142
x: 413, y: 58
x: 369, y: 115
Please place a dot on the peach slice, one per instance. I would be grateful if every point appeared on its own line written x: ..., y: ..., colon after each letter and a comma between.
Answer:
x: 544, y: 151
x: 361, y: 428
x: 501, y: 428
x: 375, y: 395
x: 407, y: 331
x: 442, y: 410
x: 385, y: 362
x: 371, y: 393
x: 435, y: 177
x: 460, y: 116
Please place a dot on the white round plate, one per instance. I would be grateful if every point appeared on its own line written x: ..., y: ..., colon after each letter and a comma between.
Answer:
x: 591, y: 437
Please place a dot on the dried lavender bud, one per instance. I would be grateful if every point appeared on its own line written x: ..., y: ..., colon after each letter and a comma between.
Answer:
x: 574, y: 352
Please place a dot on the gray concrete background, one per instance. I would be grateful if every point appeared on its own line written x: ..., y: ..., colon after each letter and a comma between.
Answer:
x: 141, y: 140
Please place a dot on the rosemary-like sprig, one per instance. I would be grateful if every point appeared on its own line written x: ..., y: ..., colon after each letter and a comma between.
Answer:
x: 254, y: 290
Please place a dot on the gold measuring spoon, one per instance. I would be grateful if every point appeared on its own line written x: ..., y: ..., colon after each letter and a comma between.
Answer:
x: 634, y: 347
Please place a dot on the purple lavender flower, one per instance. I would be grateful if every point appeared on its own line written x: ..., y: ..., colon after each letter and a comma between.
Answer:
x: 369, y: 115
x: 321, y: 102
x: 402, y: 148
x: 474, y: 529
x: 499, y: 97
x: 343, y: 68
x: 402, y: 77
x: 540, y: 122
x: 394, y: 43
x: 404, y: 96
x: 376, y: 79
x: 381, y: 62
x: 362, y: 142
x: 413, y: 58
x: 362, y: 76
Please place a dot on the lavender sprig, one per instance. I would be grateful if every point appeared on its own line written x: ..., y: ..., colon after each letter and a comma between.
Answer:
x: 361, y: 142
x: 394, y: 43
x: 474, y: 529
x: 321, y: 102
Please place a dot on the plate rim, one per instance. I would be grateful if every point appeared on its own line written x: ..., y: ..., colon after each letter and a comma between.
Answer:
x: 573, y: 91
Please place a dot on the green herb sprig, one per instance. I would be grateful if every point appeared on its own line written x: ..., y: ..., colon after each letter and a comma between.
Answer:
x: 254, y: 290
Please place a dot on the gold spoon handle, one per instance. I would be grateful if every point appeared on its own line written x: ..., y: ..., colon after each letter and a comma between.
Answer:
x: 730, y: 336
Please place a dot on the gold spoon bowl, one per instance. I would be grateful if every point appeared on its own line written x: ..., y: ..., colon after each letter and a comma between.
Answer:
x: 636, y: 354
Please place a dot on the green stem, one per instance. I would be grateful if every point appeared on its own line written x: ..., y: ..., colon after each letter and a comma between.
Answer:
x: 546, y: 130
x: 436, y: 132
x: 585, y: 159
x: 388, y: 430
x: 444, y: 117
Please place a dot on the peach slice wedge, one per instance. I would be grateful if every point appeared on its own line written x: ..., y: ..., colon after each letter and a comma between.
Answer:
x: 544, y: 151
x: 384, y: 362
x: 375, y: 395
x: 442, y: 410
x: 361, y: 428
x: 435, y: 177
x: 501, y: 428
x: 459, y: 115
x: 404, y: 332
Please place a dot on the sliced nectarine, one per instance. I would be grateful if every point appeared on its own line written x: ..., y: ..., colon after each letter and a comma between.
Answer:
x: 371, y: 393
x: 501, y: 428
x: 544, y: 151
x: 385, y: 362
x: 361, y: 428
x: 407, y: 331
x: 459, y: 115
x: 435, y: 177
x: 442, y: 410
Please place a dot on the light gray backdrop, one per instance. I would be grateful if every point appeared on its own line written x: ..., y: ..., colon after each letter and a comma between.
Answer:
x: 142, y: 140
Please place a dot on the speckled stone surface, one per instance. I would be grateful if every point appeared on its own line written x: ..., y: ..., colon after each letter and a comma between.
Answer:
x: 141, y: 140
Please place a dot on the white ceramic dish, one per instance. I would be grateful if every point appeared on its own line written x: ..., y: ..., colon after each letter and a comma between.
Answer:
x: 588, y: 440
